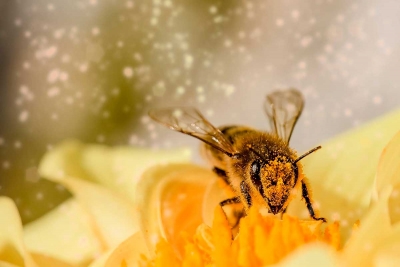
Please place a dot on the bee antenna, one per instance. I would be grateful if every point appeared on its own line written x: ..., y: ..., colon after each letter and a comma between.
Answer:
x: 307, y: 153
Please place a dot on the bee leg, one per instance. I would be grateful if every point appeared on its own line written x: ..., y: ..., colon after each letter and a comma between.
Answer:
x: 236, y: 214
x: 283, y: 212
x: 229, y: 201
x: 306, y: 197
x: 221, y: 174
x: 244, y: 189
x: 239, y: 214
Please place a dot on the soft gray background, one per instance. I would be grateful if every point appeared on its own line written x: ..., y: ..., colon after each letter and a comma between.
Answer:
x: 91, y: 69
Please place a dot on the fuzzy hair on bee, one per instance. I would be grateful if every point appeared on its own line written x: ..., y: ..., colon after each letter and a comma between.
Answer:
x: 259, y: 166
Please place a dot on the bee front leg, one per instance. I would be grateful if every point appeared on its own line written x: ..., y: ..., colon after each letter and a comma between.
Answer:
x: 283, y: 212
x: 236, y: 214
x: 244, y: 189
x: 229, y: 201
x: 307, y: 199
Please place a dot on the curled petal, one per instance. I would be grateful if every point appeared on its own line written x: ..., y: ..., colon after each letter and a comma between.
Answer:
x: 374, y: 231
x: 48, y: 261
x: 129, y: 252
x: 170, y: 199
x: 214, y: 194
x: 389, y: 165
x: 388, y: 174
x: 66, y: 234
x: 12, y: 248
x: 311, y: 255
x: 113, y: 217
x: 103, y: 181
x: 341, y: 174
x: 388, y: 253
x: 118, y: 168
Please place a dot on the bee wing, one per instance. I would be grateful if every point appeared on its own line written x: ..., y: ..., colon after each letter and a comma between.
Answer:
x: 190, y: 121
x: 283, y: 108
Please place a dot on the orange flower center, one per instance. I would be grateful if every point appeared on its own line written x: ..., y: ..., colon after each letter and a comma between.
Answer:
x: 262, y: 240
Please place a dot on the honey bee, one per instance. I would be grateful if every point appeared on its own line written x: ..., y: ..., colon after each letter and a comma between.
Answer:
x: 259, y: 166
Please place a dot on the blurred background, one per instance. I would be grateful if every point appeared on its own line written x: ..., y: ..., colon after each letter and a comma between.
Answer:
x: 91, y: 70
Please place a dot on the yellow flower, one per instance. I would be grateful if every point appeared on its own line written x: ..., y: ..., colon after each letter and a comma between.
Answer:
x: 102, y: 214
x: 118, y: 215
x: 347, y: 189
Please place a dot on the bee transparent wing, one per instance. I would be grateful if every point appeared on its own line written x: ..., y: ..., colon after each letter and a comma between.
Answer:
x: 283, y: 108
x: 190, y: 121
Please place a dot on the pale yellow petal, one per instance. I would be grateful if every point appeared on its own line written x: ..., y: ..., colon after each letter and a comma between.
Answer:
x: 48, y: 261
x: 12, y: 248
x: 66, y: 234
x: 170, y: 200
x: 388, y: 253
x: 9, y: 246
x: 389, y: 165
x: 112, y: 209
x: 346, y: 164
x: 101, y: 260
x: 314, y: 254
x: 374, y: 230
x: 388, y: 174
x: 118, y: 168
x: 391, y: 259
x: 388, y: 256
x: 128, y: 252
x: 341, y: 174
x: 6, y: 264
x: 113, y: 217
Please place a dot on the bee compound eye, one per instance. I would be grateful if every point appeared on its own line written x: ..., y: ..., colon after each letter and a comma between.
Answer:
x: 255, y: 175
x: 255, y: 170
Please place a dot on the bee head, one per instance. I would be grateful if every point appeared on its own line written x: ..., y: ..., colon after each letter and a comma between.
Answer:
x: 274, y: 180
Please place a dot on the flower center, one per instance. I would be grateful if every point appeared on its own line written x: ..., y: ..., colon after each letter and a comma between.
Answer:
x: 262, y: 240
